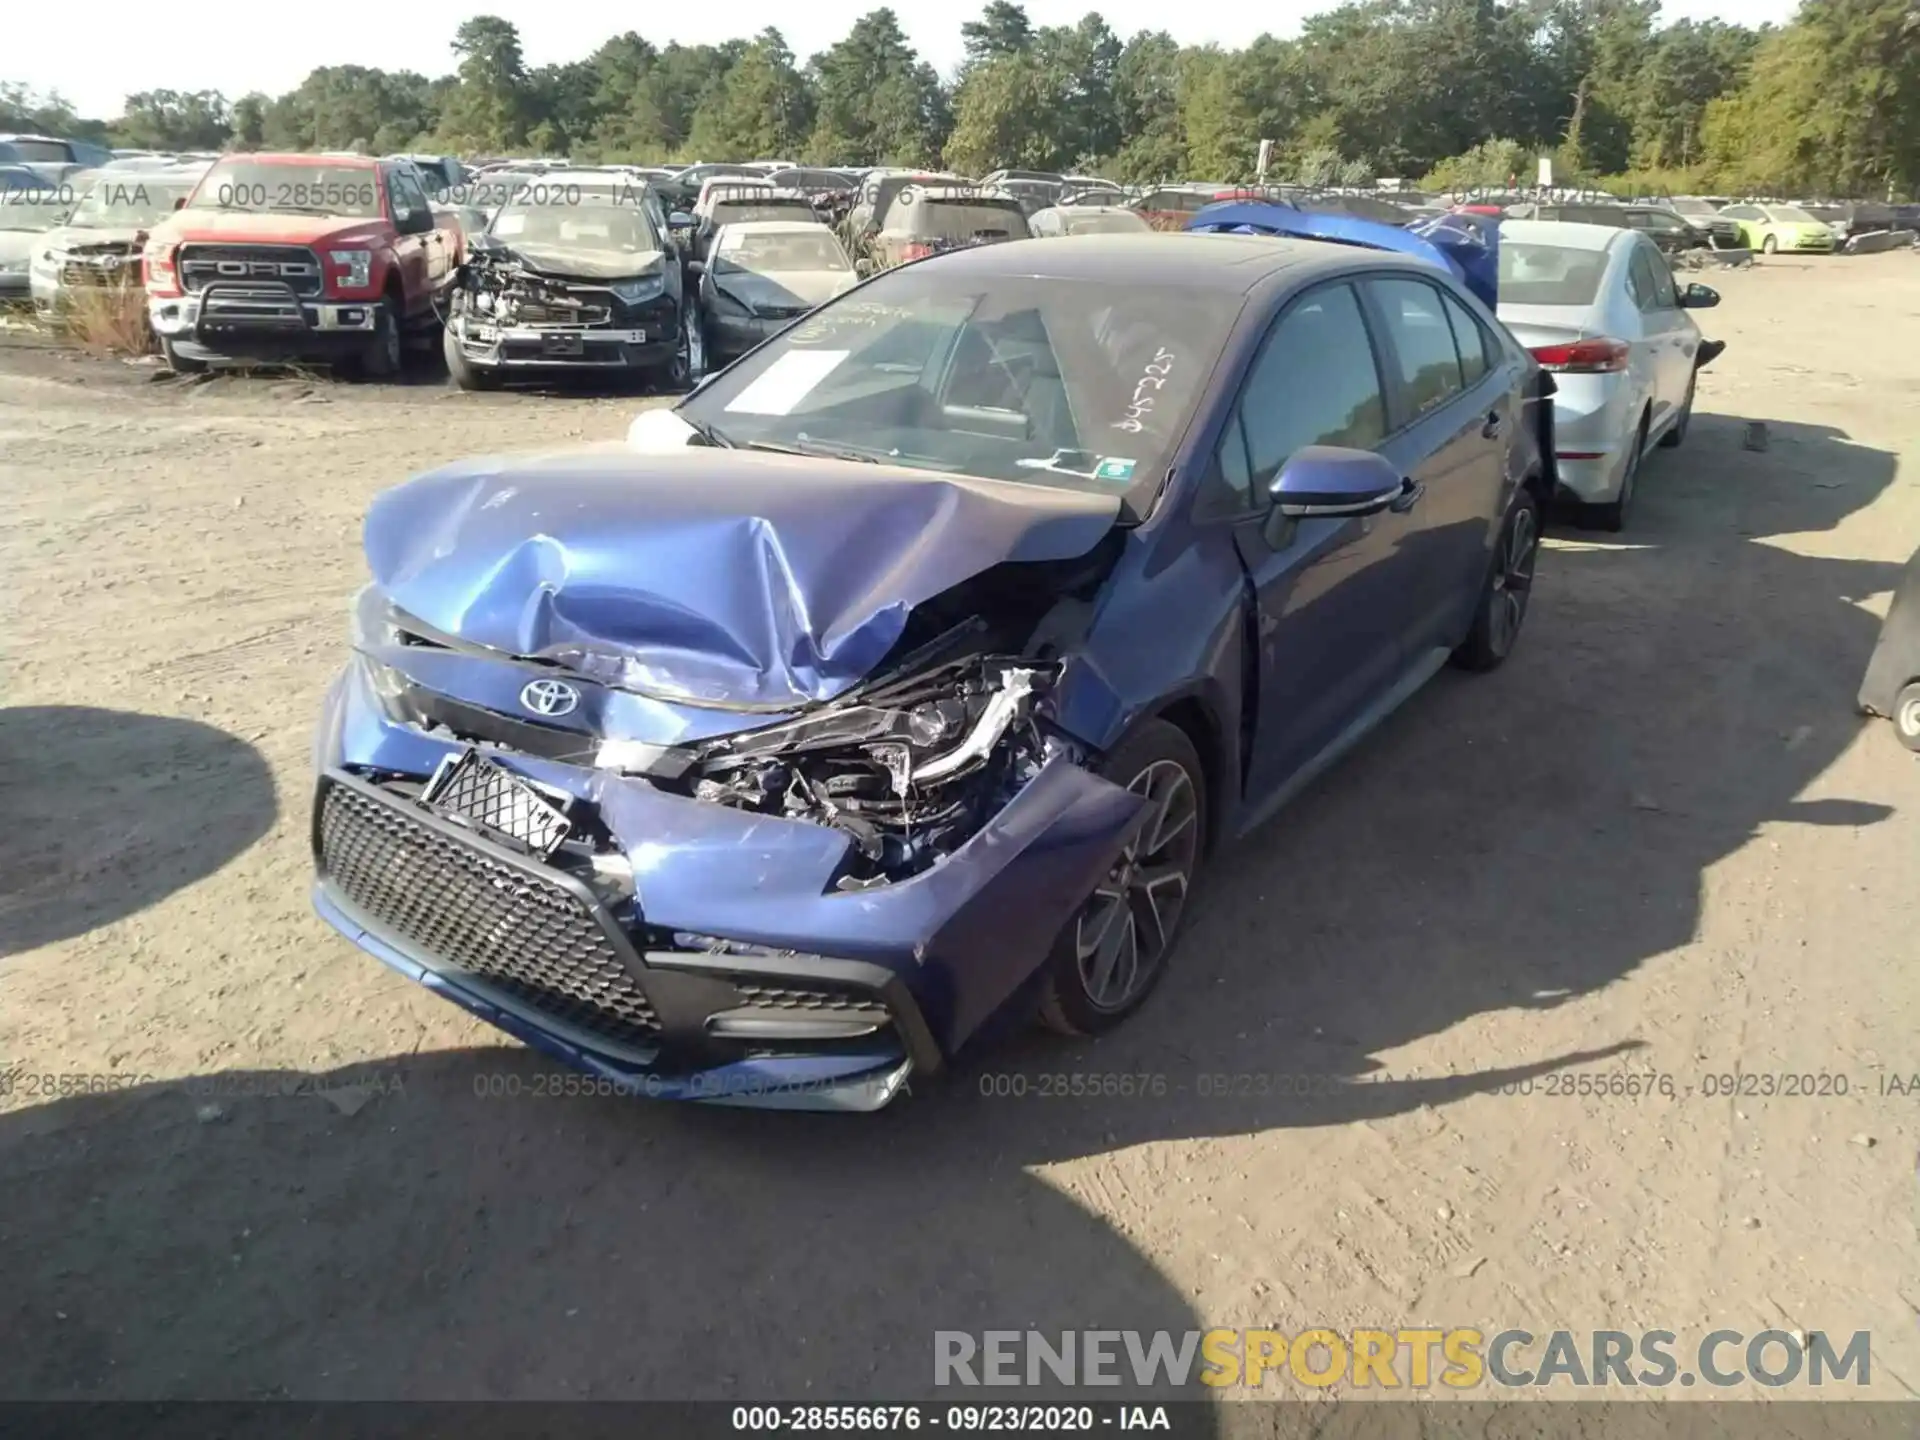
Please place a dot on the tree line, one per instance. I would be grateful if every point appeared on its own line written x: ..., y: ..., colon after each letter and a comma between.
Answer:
x: 1449, y: 92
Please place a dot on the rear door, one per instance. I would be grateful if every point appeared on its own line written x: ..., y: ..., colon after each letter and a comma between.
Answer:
x: 1453, y: 414
x: 1330, y: 595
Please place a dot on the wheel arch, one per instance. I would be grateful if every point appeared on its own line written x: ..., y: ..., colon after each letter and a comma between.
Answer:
x: 1198, y: 721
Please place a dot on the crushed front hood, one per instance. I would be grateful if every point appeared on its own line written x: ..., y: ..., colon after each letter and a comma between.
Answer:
x: 585, y: 262
x: 725, y: 578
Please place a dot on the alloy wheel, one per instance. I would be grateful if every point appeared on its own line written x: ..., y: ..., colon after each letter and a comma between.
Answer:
x: 1907, y: 719
x: 1126, y: 928
x: 1513, y: 580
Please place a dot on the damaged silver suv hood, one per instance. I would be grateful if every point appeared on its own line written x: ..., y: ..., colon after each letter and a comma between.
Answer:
x: 726, y: 578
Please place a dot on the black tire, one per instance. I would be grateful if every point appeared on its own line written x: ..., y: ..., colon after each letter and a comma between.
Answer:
x: 384, y: 355
x: 1502, y: 611
x: 1906, y: 715
x: 689, y: 361
x: 178, y: 363
x: 1611, y: 515
x: 465, y: 374
x: 1677, y: 432
x: 1156, y: 759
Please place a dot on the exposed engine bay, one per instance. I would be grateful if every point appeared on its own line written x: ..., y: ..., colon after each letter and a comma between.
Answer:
x: 910, y: 769
x: 913, y: 762
x: 496, y: 285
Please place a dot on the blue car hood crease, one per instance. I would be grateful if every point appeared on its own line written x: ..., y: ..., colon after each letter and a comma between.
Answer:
x: 712, y: 576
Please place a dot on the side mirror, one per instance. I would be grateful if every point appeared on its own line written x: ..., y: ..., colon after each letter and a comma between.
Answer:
x: 181, y: 203
x: 1330, y: 482
x: 863, y: 267
x: 1699, y: 297
x: 696, y: 267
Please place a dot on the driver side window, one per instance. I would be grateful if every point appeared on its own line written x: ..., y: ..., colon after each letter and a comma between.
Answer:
x: 1315, y: 381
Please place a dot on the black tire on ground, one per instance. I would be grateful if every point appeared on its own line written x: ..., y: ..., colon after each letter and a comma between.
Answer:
x: 1677, y: 432
x: 1611, y: 515
x: 1906, y: 715
x: 467, y: 376
x: 1144, y: 901
x: 384, y: 355
x: 178, y: 363
x: 1502, y: 612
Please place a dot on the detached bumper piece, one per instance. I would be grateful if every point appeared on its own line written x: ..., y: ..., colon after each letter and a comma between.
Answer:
x: 541, y: 952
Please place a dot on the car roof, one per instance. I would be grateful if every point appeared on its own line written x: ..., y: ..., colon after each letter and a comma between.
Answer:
x: 1566, y: 234
x: 1233, y: 263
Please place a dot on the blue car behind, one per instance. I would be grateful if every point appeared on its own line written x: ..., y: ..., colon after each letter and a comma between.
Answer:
x: 904, y: 676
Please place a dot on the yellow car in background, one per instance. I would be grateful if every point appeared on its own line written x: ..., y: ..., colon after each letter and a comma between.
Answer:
x: 1771, y: 229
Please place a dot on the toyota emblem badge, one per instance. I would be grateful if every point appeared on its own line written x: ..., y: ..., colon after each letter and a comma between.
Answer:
x: 550, y: 697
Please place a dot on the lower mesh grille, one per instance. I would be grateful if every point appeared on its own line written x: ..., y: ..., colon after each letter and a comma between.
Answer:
x: 459, y: 909
x: 779, y: 997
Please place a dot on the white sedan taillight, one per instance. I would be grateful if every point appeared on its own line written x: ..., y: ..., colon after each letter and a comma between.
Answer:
x: 1583, y: 357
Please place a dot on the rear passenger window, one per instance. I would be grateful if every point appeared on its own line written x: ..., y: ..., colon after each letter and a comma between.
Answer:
x: 1664, y: 295
x: 1640, y: 282
x: 1315, y: 382
x: 1417, y: 322
x: 1469, y: 341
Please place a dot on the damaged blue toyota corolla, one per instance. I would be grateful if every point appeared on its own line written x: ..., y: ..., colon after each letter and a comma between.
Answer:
x: 902, y: 677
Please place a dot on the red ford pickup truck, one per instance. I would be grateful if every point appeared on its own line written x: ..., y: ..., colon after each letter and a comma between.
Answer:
x: 299, y: 257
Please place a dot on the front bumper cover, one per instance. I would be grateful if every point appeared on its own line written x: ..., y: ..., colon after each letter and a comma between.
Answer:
x: 941, y: 951
x: 262, y: 319
x: 566, y: 347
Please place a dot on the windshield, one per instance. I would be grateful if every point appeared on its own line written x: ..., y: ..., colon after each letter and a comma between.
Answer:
x: 1118, y: 222
x: 1549, y: 274
x: 1793, y: 215
x: 961, y: 220
x: 33, y: 209
x: 36, y: 152
x: 128, y: 204
x: 266, y: 188
x: 1057, y: 382
x: 1693, y: 208
x: 594, y: 222
x: 772, y: 253
x: 736, y: 212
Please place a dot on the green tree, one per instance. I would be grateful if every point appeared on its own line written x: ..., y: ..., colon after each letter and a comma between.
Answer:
x: 876, y: 101
x: 1146, y: 97
x: 490, y: 108
x: 250, y: 121
x: 1005, y: 115
x: 762, y: 110
x: 340, y: 106
x: 1002, y: 29
x: 173, y: 120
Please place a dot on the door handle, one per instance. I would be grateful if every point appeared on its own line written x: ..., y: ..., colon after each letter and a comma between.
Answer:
x: 1410, y: 492
x: 1494, y: 425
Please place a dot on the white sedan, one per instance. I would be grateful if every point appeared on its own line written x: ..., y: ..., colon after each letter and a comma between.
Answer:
x: 1599, y: 308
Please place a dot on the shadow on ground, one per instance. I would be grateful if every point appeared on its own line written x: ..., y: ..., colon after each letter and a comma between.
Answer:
x: 108, y: 811
x: 1507, y: 842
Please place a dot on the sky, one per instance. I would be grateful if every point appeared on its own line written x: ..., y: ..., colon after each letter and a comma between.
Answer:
x: 226, y: 48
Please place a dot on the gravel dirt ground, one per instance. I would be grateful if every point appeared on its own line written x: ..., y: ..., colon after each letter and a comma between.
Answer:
x: 1659, y: 843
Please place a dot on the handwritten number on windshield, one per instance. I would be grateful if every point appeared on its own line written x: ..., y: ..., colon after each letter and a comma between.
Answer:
x: 1154, y: 378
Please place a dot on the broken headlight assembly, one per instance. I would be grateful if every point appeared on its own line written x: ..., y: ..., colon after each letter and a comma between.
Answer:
x: 639, y: 289
x: 910, y: 769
